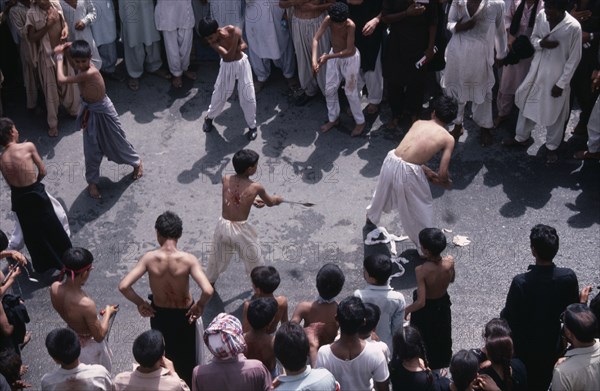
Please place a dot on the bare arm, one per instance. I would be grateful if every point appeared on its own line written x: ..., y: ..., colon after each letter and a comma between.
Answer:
x: 316, y: 57
x: 284, y: 306
x: 98, y: 328
x: 299, y: 313
x: 5, y: 327
x: 269, y: 200
x: 37, y: 160
x: 421, y: 292
x: 382, y: 386
x: 207, y: 290
x: 125, y: 287
x: 443, y: 176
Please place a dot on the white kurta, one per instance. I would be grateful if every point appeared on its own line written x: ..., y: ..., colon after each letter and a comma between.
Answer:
x: 550, y: 67
x: 171, y: 15
x: 265, y: 35
x: 227, y: 12
x: 137, y: 25
x: 105, y: 27
x: 86, y: 12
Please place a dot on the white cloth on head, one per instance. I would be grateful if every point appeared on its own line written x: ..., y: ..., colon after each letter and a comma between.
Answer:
x: 178, y: 45
x: 104, y: 28
x: 171, y: 15
x: 85, y: 12
x: 93, y: 352
x: 338, y: 69
x: 303, y: 32
x: 137, y: 23
x: 374, y: 82
x: 594, y: 128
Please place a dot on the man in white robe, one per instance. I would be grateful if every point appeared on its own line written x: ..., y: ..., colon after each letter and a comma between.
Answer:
x: 104, y: 31
x: 543, y: 97
x: 79, y: 16
x: 227, y: 12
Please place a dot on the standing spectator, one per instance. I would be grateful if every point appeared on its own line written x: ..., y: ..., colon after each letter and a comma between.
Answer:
x: 104, y: 31
x: 593, y: 144
x: 534, y: 303
x: 79, y: 16
x: 259, y: 342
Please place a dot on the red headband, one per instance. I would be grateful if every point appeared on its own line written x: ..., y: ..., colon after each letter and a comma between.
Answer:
x: 66, y: 270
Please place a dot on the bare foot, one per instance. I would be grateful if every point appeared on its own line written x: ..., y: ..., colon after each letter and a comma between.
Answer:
x: 53, y: 132
x: 393, y: 124
x: 372, y: 109
x: 20, y: 384
x: 327, y: 127
x: 358, y: 130
x: 138, y: 171
x: 23, y: 370
x: 190, y: 75
x: 93, y: 191
x: 176, y: 82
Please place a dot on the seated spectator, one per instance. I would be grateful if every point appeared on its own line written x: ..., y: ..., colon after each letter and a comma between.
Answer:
x: 508, y: 373
x: 291, y: 349
x: 63, y: 346
x: 367, y: 331
x: 496, y: 327
x: 259, y: 342
x: 230, y: 369
x: 463, y: 368
x: 155, y: 372
x: 265, y: 280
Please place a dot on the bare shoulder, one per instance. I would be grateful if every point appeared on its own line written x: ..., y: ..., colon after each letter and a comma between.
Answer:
x: 87, y: 303
x: 281, y: 300
x: 54, y: 288
x: 449, y: 260
x: 28, y: 145
x: 189, y: 258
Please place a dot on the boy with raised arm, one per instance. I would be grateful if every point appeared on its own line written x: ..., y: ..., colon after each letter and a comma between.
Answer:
x: 102, y: 131
x: 344, y: 63
x: 228, y: 42
x: 233, y: 233
x: 171, y: 308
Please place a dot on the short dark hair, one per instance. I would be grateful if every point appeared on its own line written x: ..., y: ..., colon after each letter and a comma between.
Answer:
x: 581, y: 321
x: 557, y: 4
x: 433, y: 240
x: 408, y: 344
x: 338, y: 12
x: 595, y: 308
x: 169, y: 225
x: 207, y: 26
x: 445, y: 108
x: 10, y: 364
x: 63, y: 345
x: 330, y: 281
x: 463, y: 367
x: 378, y: 266
x: 243, y: 160
x: 3, y: 241
x: 265, y: 278
x: 77, y: 258
x: 496, y: 327
x: 6, y: 125
x: 291, y: 346
x: 80, y: 49
x: 148, y: 348
x: 544, y: 240
x: 351, y: 315
x: 372, y: 315
x: 261, y: 312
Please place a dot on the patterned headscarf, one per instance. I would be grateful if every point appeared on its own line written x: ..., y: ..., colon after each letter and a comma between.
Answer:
x: 224, y: 337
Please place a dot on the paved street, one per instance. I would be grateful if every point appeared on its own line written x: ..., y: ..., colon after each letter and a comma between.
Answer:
x: 498, y: 196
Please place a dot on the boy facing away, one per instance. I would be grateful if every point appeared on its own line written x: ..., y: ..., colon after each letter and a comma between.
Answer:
x: 319, y: 316
x: 228, y: 42
x: 431, y: 309
x: 259, y: 341
x: 103, y: 134
x: 233, y: 233
x: 265, y: 279
x: 344, y: 63
x: 377, y: 272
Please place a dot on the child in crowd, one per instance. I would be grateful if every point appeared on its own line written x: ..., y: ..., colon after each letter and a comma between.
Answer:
x: 319, y: 315
x: 265, y: 279
x: 259, y: 341
x: 367, y: 331
x: 377, y: 272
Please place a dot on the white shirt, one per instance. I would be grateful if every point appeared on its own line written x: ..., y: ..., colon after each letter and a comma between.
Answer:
x: 580, y: 370
x: 81, y: 378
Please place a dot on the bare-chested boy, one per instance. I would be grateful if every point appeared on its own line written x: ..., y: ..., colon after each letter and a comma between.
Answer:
x: 306, y: 20
x: 265, y: 280
x: 103, y: 134
x: 171, y: 307
x: 259, y: 342
x: 46, y: 28
x: 228, y: 42
x: 431, y: 307
x: 79, y: 311
x: 403, y: 179
x: 233, y: 233
x: 319, y: 316
x: 343, y: 63
x: 23, y: 170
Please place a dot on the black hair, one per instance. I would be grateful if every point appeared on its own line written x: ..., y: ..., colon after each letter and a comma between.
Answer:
x: 581, y: 321
x: 80, y: 49
x: 544, y: 240
x: 595, y: 308
x: 433, y: 240
x: 338, y: 12
x: 445, y: 108
x: 562, y: 5
x: 409, y: 344
x: 207, y: 26
x: 496, y: 327
x: 499, y: 350
x: 10, y: 365
x: 77, y: 258
x: 265, y: 278
x: 148, y: 348
x: 330, y: 281
x: 63, y: 345
x: 291, y: 346
x: 372, y: 315
x: 6, y: 125
x: 378, y: 266
x: 351, y: 315
x: 243, y: 160
x: 261, y: 312
x: 463, y: 367
x: 169, y: 225
x: 3, y: 241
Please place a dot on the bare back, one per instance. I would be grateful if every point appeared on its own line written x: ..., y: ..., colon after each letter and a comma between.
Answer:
x: 438, y: 276
x: 92, y: 85
x: 239, y: 194
x: 260, y: 347
x: 169, y: 273
x: 18, y: 166
x: 319, y: 313
x: 423, y: 140
x: 74, y: 306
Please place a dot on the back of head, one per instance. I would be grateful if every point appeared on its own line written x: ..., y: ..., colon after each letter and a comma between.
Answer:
x: 80, y: 49
x: 433, y: 240
x: 561, y: 5
x: 10, y: 365
x: 463, y: 367
x: 261, y: 312
x: 291, y: 346
x: 63, y: 345
x: 169, y: 225
x: 544, y: 240
x: 6, y: 125
x: 148, y: 348
x: 408, y: 344
x: 499, y: 349
x: 330, y: 281
x: 265, y: 278
x: 581, y: 322
x: 338, y: 12
x: 379, y: 267
x: 595, y: 308
x: 445, y: 108
x: 372, y: 315
x: 3, y: 241
x: 243, y: 160
x: 207, y: 26
x: 351, y: 315
x: 496, y: 327
x: 77, y: 260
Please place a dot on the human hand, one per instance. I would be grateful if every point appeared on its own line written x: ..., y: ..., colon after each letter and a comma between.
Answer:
x: 547, y: 43
x: 370, y: 27
x: 18, y: 257
x: 464, y: 26
x: 585, y: 37
x: 168, y: 364
x: 64, y: 34
x: 595, y: 80
x: 415, y: 9
x: 486, y: 383
x: 17, y: 271
x: 278, y: 200
x: 258, y: 203
x: 110, y: 310
x: 323, y: 59
x: 581, y: 16
x: 315, y: 67
x: 79, y: 25
x: 584, y: 295
x: 194, y: 312
x: 429, y: 53
x: 510, y: 41
x: 146, y: 310
x: 556, y: 91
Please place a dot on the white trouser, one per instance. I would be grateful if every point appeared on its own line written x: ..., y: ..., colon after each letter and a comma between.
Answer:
x: 108, y: 54
x: 554, y: 132
x: 142, y: 56
x: 262, y: 66
x: 594, y: 128
x: 178, y: 45
x: 482, y: 112
x: 346, y: 68
x: 374, y: 81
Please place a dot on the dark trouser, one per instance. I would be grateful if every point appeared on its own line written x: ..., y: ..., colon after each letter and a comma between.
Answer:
x: 407, y: 96
x: 434, y: 322
x: 580, y: 86
x: 539, y: 370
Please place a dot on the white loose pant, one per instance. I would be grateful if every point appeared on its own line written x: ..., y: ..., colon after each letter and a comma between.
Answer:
x: 178, y: 45
x: 346, y: 68
x: 482, y: 112
x: 262, y: 66
x: 554, y: 132
x: 594, y: 129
